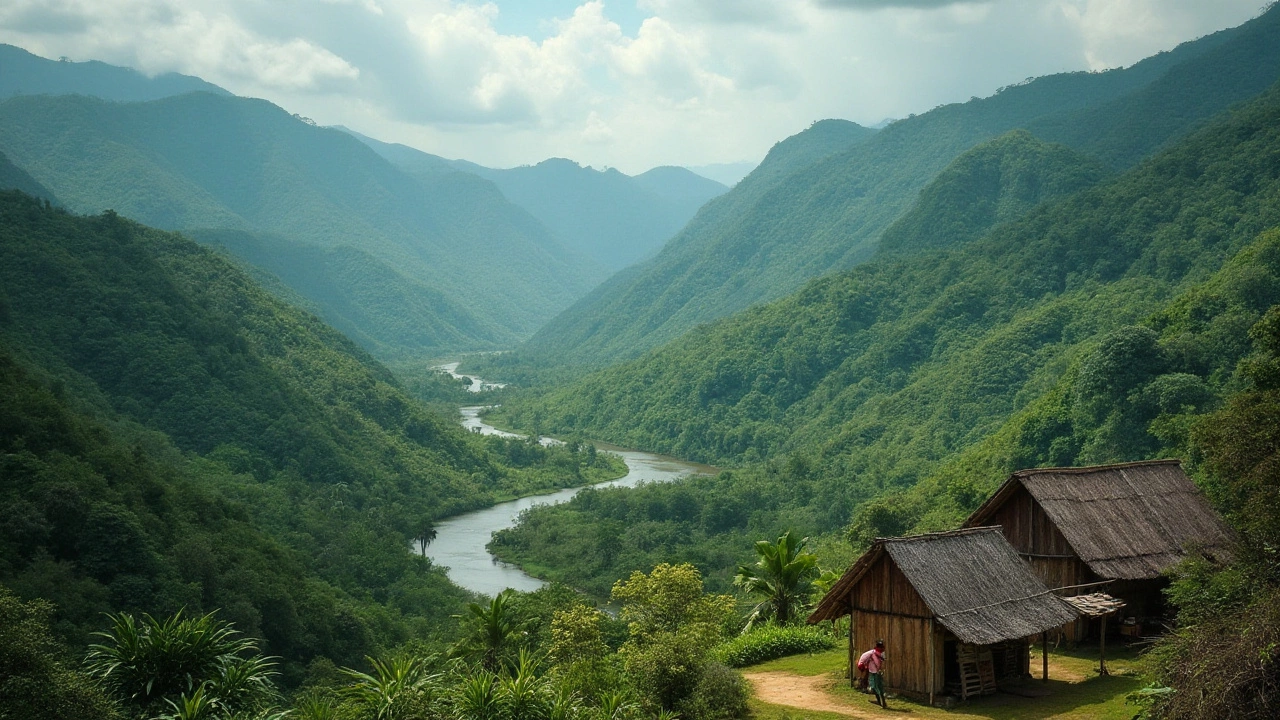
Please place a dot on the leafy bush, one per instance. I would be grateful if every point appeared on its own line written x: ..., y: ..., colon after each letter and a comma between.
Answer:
x: 770, y: 642
x: 720, y: 694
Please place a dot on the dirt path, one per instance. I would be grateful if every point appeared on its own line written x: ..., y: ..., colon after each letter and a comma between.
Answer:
x: 807, y: 692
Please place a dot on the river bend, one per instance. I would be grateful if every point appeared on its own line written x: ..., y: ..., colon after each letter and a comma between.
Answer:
x: 460, y: 540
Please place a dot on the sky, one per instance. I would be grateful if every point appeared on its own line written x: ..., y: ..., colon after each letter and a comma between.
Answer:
x: 630, y: 84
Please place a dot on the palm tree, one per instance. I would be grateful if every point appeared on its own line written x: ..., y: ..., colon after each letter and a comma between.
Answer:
x: 492, y: 632
x: 781, y: 578
x: 425, y: 537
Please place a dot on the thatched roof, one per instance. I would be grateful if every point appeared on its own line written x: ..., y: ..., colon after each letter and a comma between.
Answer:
x: 1128, y: 522
x: 972, y: 581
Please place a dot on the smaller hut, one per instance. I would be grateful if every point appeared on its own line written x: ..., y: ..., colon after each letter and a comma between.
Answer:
x: 955, y: 610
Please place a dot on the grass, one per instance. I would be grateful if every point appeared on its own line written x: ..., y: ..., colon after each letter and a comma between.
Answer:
x: 1075, y: 691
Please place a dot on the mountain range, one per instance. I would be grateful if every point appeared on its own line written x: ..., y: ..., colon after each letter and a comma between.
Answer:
x: 796, y: 218
x: 409, y: 263
x: 611, y: 218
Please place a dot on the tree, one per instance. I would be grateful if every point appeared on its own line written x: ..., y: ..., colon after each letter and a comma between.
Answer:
x: 426, y: 536
x: 783, y: 578
x: 673, y: 626
x: 34, y: 684
x: 492, y: 633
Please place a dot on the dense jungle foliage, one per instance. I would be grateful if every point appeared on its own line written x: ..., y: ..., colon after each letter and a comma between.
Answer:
x: 201, y: 161
x: 174, y: 436
x: 764, y: 239
x: 546, y: 655
x: 900, y: 393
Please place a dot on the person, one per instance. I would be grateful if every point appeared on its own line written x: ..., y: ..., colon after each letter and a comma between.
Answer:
x: 872, y: 663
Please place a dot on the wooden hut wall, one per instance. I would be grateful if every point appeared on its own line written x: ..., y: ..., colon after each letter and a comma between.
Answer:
x: 886, y: 607
x: 1035, y: 536
x: 906, y: 668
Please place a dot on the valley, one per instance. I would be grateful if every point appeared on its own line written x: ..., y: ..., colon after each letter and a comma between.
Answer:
x: 321, y: 422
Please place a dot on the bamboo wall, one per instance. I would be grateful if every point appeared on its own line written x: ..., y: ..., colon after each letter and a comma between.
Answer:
x: 886, y: 607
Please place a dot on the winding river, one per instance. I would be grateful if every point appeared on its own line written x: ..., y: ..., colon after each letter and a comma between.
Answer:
x: 460, y: 540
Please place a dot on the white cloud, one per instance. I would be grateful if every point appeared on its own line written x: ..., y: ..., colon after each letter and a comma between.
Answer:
x: 157, y: 36
x: 701, y: 81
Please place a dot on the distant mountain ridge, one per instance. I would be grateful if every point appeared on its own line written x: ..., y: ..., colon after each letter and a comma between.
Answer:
x: 201, y: 161
x: 23, y: 73
x: 763, y: 240
x: 610, y: 217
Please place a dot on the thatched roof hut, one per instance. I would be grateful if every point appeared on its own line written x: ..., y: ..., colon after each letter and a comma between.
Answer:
x: 1130, y: 521
x: 1118, y: 526
x: 928, y: 596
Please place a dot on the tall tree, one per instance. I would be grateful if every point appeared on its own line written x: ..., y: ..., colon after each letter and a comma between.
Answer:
x: 782, y: 578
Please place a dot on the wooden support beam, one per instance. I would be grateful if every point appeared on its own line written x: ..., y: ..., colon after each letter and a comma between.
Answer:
x: 1044, y: 648
x: 1102, y: 649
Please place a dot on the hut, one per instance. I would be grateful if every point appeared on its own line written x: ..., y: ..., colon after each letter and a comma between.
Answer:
x: 1112, y: 527
x: 954, y: 609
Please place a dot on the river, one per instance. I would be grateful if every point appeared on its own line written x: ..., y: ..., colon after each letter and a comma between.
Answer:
x: 460, y: 540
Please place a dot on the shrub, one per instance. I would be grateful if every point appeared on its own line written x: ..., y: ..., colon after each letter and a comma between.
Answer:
x: 721, y: 694
x: 770, y: 642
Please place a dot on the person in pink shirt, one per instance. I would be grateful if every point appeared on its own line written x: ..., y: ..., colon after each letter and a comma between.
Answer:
x: 872, y: 662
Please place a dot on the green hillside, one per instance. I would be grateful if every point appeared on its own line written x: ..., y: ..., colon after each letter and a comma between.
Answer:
x: 1094, y: 329
x: 828, y: 214
x: 200, y: 161
x: 13, y: 177
x: 174, y: 436
x: 995, y: 182
x: 363, y: 297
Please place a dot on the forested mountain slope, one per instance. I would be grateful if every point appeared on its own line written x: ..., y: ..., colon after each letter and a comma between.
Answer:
x: 867, y: 360
x: 1097, y: 328
x: 612, y: 218
x: 22, y: 73
x: 201, y: 161
x: 174, y: 436
x: 13, y: 177
x: 828, y: 215
x: 995, y: 182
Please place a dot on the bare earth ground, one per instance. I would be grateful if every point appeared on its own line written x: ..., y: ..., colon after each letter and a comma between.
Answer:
x: 806, y: 692
x: 811, y: 687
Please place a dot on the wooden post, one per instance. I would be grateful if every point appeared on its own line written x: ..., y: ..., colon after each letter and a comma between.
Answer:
x: 852, y: 680
x: 1102, y: 649
x: 933, y: 678
x: 1044, y: 648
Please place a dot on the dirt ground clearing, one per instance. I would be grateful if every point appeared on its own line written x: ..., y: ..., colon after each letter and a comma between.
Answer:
x: 808, y: 692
